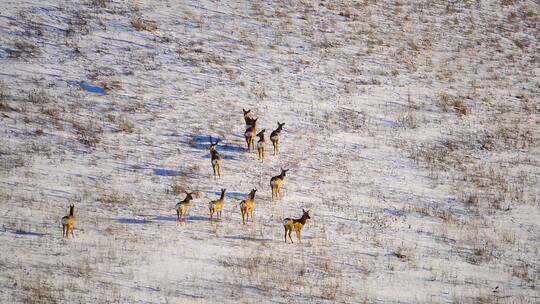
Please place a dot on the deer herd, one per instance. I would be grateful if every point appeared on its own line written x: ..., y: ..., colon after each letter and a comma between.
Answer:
x: 247, y: 206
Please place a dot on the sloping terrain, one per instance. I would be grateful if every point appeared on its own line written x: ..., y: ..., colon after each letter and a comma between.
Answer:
x: 412, y: 136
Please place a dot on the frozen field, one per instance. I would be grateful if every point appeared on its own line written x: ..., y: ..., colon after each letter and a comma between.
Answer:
x: 412, y: 132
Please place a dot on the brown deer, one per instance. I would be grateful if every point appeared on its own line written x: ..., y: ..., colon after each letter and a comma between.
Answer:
x: 276, y: 183
x: 261, y: 145
x: 216, y: 206
x: 68, y: 223
x: 182, y: 208
x: 250, y: 134
x: 216, y: 158
x: 295, y: 225
x: 247, y: 117
x: 247, y: 207
x: 274, y: 137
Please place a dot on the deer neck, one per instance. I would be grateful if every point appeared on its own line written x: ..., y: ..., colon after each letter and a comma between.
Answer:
x: 301, y: 220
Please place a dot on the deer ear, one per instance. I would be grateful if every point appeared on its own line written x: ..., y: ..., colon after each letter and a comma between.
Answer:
x: 303, y: 210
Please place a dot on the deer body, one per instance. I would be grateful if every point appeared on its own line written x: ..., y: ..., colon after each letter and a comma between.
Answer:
x: 182, y: 208
x: 250, y: 134
x: 68, y: 223
x: 216, y: 158
x: 216, y: 206
x: 276, y: 183
x: 247, y: 207
x: 261, y: 145
x: 295, y: 225
x: 274, y: 137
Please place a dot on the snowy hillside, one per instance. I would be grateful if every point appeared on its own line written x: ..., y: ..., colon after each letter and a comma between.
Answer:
x: 411, y: 133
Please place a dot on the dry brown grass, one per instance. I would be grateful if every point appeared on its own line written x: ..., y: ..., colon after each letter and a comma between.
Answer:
x: 447, y: 102
x: 141, y: 24
x: 89, y: 133
x: 124, y: 124
x: 99, y: 3
x: 38, y: 96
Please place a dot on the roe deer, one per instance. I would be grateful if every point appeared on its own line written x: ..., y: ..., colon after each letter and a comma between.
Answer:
x: 68, y: 223
x: 216, y: 158
x: 295, y: 225
x: 274, y: 137
x: 250, y: 134
x: 216, y: 206
x: 182, y: 208
x: 261, y: 145
x: 247, y: 117
x: 247, y: 207
x: 276, y: 183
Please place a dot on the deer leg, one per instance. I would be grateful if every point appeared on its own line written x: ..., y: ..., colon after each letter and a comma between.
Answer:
x: 72, y: 233
x: 290, y: 236
x: 285, y: 235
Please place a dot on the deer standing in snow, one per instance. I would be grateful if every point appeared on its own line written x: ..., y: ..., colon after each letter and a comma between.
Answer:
x: 261, y: 145
x: 216, y: 206
x: 276, y: 183
x: 250, y: 134
x: 216, y: 158
x: 274, y: 137
x: 182, y: 208
x: 295, y: 225
x: 247, y: 207
x: 68, y: 223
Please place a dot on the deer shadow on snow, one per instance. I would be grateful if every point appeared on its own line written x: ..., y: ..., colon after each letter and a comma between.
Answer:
x: 203, y: 143
x: 125, y: 220
x: 189, y: 218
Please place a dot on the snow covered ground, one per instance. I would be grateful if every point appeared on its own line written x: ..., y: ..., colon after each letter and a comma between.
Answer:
x: 412, y: 136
